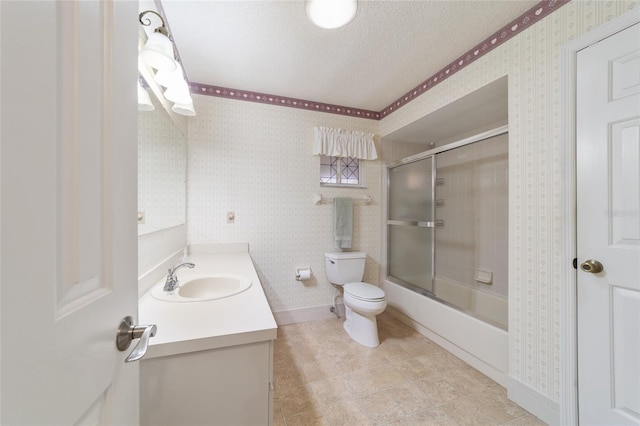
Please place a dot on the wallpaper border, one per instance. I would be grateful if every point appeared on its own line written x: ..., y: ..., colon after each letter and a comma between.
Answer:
x: 264, y: 98
x: 513, y: 28
x: 524, y: 21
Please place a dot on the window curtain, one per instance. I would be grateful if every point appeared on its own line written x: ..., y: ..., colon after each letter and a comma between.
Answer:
x: 344, y: 143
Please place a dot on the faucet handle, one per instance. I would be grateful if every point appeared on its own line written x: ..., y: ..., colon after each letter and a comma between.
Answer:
x: 172, y: 280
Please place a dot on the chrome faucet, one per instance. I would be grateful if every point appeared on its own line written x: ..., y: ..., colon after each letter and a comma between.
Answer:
x: 172, y: 280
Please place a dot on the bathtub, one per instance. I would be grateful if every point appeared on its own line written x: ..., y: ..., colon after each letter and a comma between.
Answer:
x: 480, y: 344
x: 485, y: 305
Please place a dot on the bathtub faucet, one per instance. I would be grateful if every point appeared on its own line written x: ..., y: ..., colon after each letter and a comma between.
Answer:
x: 172, y: 280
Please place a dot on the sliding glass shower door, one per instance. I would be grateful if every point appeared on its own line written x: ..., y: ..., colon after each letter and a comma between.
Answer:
x: 411, y: 221
x: 464, y: 264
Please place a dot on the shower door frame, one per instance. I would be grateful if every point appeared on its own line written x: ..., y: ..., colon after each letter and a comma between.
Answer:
x: 422, y: 156
x: 419, y: 224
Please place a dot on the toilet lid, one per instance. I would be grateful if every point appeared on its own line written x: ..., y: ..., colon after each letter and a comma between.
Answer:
x: 364, y: 291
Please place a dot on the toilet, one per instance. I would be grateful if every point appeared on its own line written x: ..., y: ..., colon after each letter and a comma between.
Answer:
x: 362, y: 301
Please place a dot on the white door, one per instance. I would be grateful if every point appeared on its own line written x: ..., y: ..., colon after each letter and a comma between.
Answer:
x: 608, y: 229
x: 68, y: 205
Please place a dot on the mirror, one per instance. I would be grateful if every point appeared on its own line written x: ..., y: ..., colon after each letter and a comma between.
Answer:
x: 162, y: 170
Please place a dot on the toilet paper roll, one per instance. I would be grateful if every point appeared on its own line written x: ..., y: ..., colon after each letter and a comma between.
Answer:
x: 303, y: 274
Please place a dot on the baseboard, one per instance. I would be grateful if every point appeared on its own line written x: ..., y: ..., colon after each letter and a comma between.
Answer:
x: 537, y: 404
x: 306, y: 314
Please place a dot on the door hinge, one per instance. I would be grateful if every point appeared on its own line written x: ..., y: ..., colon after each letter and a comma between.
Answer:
x: 575, y: 263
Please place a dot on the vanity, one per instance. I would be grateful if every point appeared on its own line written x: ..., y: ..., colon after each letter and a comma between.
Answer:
x: 211, y: 361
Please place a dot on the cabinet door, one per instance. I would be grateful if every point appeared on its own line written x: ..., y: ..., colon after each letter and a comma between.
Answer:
x: 225, y: 386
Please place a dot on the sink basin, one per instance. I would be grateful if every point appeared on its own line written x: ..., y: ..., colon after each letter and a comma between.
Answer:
x: 201, y: 289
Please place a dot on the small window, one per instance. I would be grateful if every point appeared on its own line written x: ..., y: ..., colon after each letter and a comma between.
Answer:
x: 339, y: 171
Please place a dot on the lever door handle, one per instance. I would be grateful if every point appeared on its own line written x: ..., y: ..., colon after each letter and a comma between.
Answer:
x: 128, y: 331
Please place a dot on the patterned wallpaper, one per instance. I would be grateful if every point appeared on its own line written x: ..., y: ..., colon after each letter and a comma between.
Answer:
x: 255, y: 160
x: 531, y: 62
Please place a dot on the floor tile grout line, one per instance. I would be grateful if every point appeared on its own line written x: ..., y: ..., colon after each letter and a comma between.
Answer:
x: 309, y: 333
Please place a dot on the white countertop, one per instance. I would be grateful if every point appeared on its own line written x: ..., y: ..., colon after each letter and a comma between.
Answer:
x: 195, y: 326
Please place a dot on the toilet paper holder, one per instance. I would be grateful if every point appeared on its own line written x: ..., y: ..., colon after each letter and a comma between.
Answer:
x: 303, y: 274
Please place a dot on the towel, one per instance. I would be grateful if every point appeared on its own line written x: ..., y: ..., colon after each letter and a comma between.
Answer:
x: 343, y: 221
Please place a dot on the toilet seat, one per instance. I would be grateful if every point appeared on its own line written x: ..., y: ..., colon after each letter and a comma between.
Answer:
x: 364, y: 291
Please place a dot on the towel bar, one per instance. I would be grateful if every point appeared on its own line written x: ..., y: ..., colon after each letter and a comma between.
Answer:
x: 319, y: 199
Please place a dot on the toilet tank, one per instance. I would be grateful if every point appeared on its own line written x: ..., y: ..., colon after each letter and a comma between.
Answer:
x: 344, y: 267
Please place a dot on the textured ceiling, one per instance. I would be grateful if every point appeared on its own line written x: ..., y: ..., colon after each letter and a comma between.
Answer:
x: 388, y: 49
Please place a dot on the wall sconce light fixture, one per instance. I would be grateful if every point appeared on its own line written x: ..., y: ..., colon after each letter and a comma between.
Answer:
x: 177, y: 89
x: 158, y: 51
x: 158, y: 54
x: 184, y: 109
x: 144, y: 100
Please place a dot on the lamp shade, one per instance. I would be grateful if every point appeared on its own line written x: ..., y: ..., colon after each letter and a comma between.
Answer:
x: 158, y: 52
x: 184, y: 109
x: 144, y: 100
x: 331, y: 14
x: 171, y: 77
x: 178, y: 93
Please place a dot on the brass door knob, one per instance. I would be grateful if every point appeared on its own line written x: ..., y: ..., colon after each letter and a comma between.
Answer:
x: 592, y: 266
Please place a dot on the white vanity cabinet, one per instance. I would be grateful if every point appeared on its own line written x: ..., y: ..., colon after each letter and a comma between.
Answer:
x: 210, y: 362
x: 224, y: 386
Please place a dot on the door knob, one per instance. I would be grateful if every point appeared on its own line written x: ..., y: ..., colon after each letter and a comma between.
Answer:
x: 591, y: 266
x: 128, y: 331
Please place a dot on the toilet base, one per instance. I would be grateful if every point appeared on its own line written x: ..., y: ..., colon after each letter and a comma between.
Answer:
x: 361, y: 328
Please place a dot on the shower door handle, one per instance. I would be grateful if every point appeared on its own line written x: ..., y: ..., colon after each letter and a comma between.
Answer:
x: 416, y: 223
x: 411, y: 223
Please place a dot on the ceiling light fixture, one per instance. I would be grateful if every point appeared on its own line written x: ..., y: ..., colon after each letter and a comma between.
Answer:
x: 331, y: 14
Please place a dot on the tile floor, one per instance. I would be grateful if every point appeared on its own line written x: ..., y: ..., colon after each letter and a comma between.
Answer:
x: 322, y: 377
